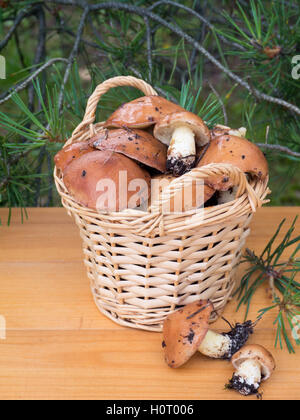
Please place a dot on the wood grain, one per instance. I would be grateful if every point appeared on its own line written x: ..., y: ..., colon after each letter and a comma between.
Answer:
x: 59, y: 346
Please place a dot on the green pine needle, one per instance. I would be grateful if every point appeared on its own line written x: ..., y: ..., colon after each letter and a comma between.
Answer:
x: 281, y: 278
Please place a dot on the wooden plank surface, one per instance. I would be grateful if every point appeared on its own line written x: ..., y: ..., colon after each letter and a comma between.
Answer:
x: 59, y: 346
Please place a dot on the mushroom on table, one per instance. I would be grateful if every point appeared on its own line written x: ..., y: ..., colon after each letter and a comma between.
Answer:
x: 187, y: 330
x: 253, y: 364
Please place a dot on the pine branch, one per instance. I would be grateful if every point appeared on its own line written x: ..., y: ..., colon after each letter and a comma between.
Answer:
x: 178, y: 31
x: 33, y: 76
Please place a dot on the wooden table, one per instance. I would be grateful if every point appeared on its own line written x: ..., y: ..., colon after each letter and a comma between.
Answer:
x: 59, y: 346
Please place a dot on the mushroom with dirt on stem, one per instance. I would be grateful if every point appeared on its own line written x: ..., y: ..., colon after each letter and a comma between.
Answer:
x: 182, y: 132
x: 253, y: 364
x: 187, y: 330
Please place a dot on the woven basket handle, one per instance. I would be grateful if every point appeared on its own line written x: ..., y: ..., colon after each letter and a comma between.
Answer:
x: 237, y: 177
x: 89, y: 117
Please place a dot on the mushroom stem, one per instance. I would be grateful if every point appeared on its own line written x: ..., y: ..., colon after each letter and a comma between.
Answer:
x: 182, y: 151
x: 225, y: 345
x: 247, y: 377
x: 215, y: 345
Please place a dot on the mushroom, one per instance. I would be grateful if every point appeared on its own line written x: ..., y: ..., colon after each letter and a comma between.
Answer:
x: 220, y: 130
x: 192, y: 195
x: 253, y: 364
x: 107, y: 181
x: 186, y: 330
x: 66, y: 155
x: 239, y: 152
x: 136, y: 144
x: 142, y: 112
x: 224, y: 345
x: 182, y: 131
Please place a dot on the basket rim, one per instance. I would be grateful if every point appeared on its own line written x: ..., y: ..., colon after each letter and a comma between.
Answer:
x: 154, y: 221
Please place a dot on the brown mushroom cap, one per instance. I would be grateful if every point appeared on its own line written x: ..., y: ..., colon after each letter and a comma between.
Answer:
x: 184, y: 330
x: 142, y: 112
x: 69, y: 153
x: 136, y: 144
x: 165, y: 127
x: 258, y: 353
x: 82, y: 176
x: 183, y: 200
x: 239, y: 152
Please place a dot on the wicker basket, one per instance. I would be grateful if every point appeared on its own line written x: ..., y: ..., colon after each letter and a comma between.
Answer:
x: 144, y: 265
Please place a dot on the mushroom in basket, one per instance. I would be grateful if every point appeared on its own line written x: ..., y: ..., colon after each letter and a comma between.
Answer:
x: 187, y: 330
x: 253, y: 364
x: 135, y: 144
x: 182, y: 131
x: 107, y: 157
x: 237, y: 150
x: 69, y: 153
x: 192, y: 195
x: 174, y: 126
x: 107, y: 181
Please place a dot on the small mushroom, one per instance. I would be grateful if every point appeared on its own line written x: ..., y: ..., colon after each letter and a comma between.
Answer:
x: 142, y: 112
x: 136, y: 144
x: 69, y: 153
x: 253, y: 364
x: 186, y: 330
x: 220, y: 130
x: 182, y: 131
x: 239, y: 152
x: 107, y: 181
x: 192, y: 195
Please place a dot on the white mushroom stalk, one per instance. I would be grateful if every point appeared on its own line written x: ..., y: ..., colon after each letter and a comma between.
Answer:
x: 182, y: 150
x: 182, y: 132
x: 253, y: 364
x: 247, y: 377
x: 224, y: 345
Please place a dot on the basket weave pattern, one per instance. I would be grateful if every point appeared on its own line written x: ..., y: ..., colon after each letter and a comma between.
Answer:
x: 143, y: 265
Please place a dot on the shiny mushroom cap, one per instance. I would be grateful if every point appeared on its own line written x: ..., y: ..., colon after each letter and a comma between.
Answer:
x: 184, y: 330
x: 257, y: 353
x: 142, y: 112
x: 192, y: 195
x: 69, y: 153
x: 136, y: 144
x: 239, y: 152
x: 107, y: 181
x: 164, y: 129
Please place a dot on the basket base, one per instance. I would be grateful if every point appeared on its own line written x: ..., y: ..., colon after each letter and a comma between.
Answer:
x: 132, y: 322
